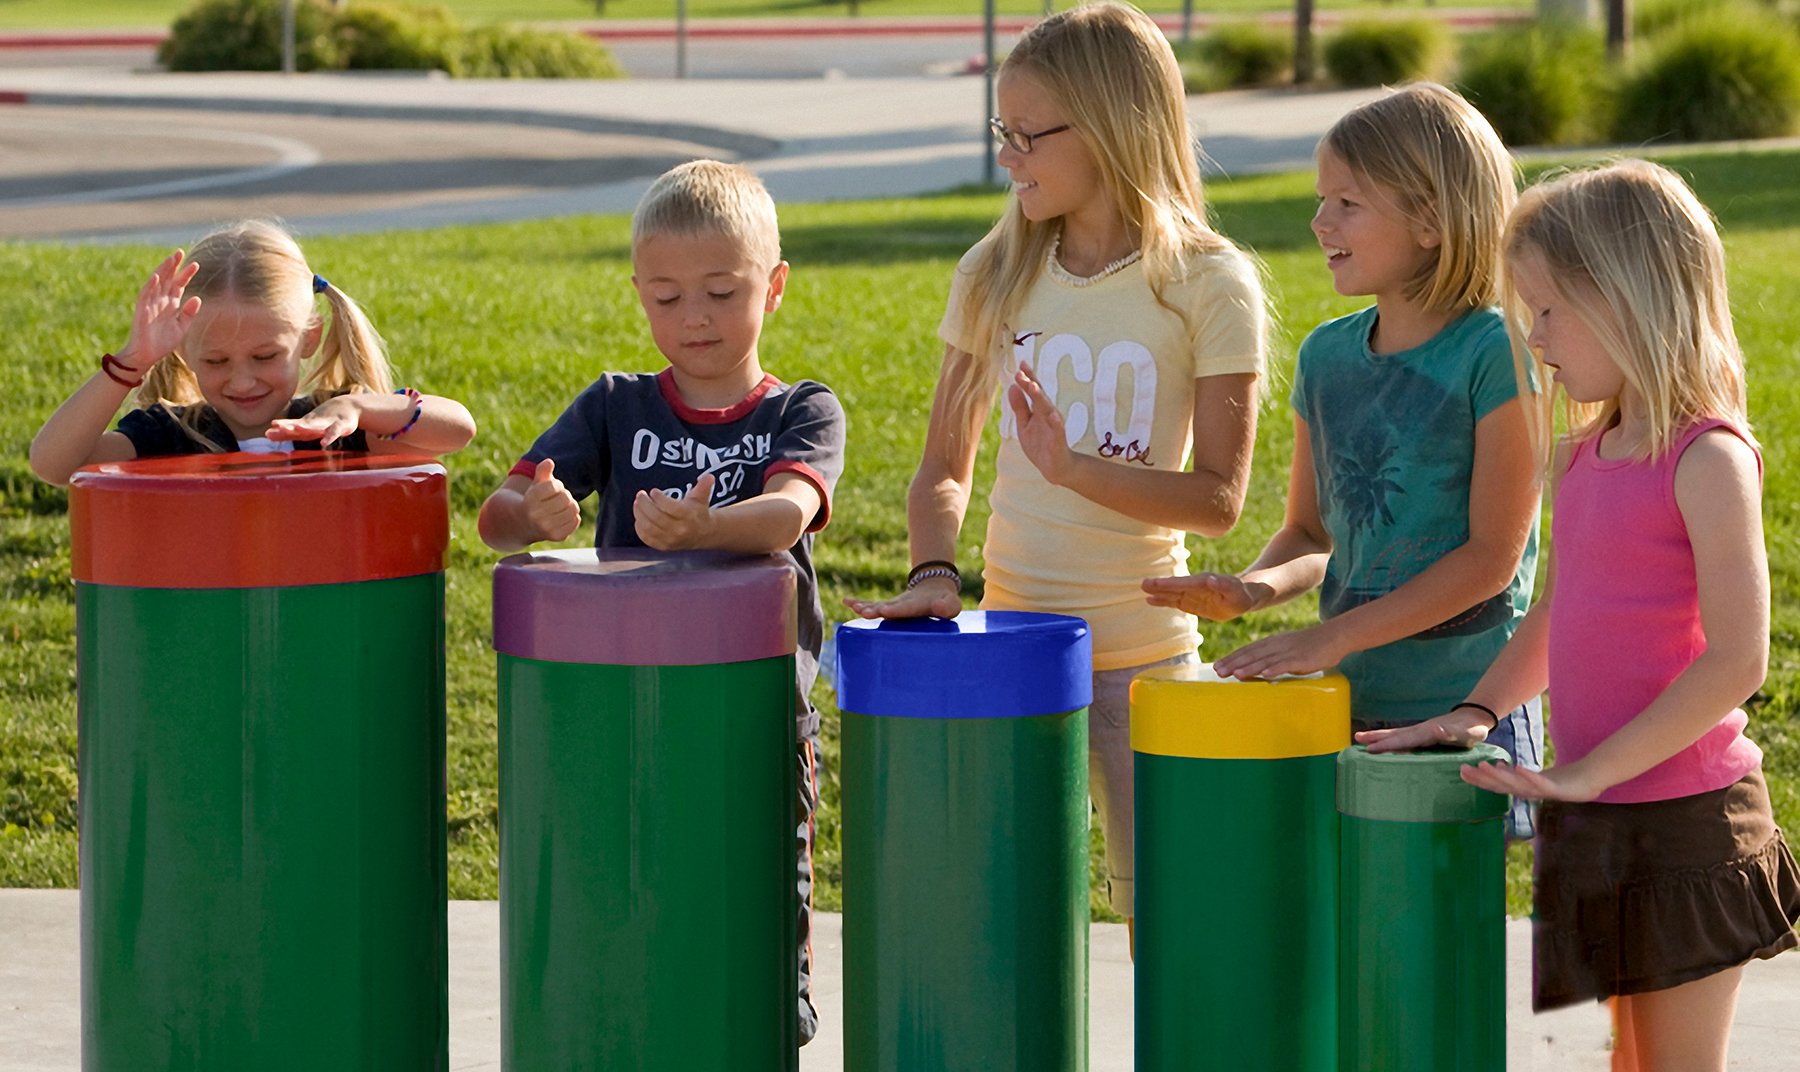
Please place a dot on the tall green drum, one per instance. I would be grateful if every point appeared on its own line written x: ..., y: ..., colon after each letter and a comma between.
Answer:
x: 648, y: 897
x: 1237, y: 867
x: 1423, y: 983
x: 964, y: 773
x: 260, y: 677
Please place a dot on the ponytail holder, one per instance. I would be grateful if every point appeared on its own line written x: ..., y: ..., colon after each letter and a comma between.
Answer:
x: 319, y: 284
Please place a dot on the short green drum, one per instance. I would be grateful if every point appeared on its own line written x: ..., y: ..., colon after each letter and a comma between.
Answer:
x: 648, y: 808
x: 1237, y: 869
x: 1423, y: 984
x: 965, y: 809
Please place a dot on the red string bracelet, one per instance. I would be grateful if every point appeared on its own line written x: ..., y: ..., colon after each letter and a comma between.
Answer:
x: 112, y: 366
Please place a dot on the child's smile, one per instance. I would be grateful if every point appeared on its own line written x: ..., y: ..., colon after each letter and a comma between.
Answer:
x: 1369, y: 247
x: 246, y: 359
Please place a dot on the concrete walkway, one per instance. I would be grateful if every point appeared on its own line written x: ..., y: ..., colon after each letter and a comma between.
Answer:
x: 40, y: 1015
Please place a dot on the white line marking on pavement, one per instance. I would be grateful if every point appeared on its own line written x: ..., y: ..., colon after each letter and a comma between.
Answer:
x: 290, y: 156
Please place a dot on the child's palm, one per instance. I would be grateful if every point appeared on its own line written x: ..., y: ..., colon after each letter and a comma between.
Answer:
x: 163, y: 314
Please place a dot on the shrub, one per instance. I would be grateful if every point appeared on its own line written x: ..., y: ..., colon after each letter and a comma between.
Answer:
x: 1247, y: 54
x: 1536, y: 86
x: 382, y: 38
x: 1382, y: 52
x: 1735, y: 74
x: 245, y: 35
x: 520, y: 52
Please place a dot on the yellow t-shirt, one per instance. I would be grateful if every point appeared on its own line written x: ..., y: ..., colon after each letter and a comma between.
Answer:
x: 1120, y: 368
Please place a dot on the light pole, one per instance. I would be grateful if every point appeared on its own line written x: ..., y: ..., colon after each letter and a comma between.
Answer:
x: 987, y: 52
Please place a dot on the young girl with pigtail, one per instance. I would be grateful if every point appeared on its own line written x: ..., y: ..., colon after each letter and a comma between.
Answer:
x: 1128, y: 337
x: 1659, y: 869
x: 215, y: 355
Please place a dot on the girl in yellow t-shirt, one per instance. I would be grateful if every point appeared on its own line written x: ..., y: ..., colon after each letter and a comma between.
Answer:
x: 1129, y: 336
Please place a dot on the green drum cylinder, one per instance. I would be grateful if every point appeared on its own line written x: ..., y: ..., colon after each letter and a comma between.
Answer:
x: 965, y: 805
x: 261, y: 750
x: 1423, y: 983
x: 648, y: 897
x: 1237, y: 868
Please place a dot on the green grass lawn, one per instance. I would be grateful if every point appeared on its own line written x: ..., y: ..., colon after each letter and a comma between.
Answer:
x: 514, y: 319
x: 55, y: 14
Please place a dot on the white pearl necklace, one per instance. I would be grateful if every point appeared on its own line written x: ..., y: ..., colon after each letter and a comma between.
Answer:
x: 1063, y: 275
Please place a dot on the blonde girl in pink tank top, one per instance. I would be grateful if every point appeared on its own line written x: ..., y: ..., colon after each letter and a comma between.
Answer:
x: 1659, y: 870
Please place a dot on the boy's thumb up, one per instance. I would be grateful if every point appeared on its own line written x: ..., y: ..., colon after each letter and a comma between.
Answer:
x: 703, y: 489
x: 545, y: 470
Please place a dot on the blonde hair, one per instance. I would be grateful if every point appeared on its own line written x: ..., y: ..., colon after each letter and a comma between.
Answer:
x: 1111, y: 71
x: 1638, y: 259
x: 258, y: 261
x: 711, y: 197
x: 1441, y: 166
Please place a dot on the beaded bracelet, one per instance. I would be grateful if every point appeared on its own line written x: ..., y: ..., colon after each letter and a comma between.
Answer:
x: 418, y: 409
x: 1483, y: 708
x: 112, y: 366
x: 936, y: 568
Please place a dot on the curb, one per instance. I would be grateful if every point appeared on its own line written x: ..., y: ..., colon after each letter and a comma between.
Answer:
x: 777, y: 27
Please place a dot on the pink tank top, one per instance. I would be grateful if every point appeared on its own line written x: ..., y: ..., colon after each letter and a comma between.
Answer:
x: 1625, y: 619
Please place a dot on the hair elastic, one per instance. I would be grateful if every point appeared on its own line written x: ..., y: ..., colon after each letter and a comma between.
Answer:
x: 319, y: 284
x: 418, y: 409
x: 112, y: 366
x: 1483, y: 708
x: 937, y: 567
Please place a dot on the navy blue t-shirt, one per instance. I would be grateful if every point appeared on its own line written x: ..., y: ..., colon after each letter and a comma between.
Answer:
x: 157, y: 430
x: 632, y: 432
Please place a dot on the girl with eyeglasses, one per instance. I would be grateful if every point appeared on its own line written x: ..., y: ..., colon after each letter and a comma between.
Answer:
x: 1129, y: 338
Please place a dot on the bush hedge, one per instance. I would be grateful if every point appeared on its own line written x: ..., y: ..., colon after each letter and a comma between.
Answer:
x: 1733, y: 74
x: 245, y: 35
x: 1537, y: 86
x: 1238, y: 54
x: 1384, y: 52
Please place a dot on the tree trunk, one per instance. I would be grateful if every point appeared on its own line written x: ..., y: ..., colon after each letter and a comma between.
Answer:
x: 1618, y: 28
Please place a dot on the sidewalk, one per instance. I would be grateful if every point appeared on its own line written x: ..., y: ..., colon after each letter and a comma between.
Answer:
x: 40, y: 1014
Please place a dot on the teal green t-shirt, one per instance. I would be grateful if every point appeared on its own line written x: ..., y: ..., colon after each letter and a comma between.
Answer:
x: 1393, y: 441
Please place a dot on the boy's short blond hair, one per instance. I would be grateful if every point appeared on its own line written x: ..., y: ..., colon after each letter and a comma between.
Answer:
x: 1440, y: 164
x: 710, y: 197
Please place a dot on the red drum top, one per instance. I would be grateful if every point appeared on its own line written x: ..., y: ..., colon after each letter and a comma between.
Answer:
x: 258, y: 520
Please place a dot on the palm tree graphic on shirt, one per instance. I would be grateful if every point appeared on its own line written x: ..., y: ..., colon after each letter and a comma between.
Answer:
x: 1362, y: 484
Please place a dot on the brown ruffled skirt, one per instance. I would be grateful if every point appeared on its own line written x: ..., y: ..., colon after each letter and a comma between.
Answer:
x: 1639, y: 897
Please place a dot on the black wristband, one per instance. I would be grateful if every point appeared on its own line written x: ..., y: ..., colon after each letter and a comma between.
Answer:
x: 1483, y: 708
x: 937, y: 567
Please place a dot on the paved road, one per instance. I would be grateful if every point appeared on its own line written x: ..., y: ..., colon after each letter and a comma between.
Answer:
x: 111, y: 154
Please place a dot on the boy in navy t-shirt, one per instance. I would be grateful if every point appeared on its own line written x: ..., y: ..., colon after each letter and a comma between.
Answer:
x: 710, y: 453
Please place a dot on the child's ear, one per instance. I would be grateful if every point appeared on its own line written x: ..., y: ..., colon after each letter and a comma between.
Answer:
x: 314, y: 332
x: 777, y: 284
x: 1427, y: 234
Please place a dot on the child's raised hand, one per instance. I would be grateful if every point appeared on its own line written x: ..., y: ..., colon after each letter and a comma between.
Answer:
x: 1458, y: 729
x: 1041, y: 433
x: 1217, y: 597
x: 330, y: 421
x: 1302, y: 651
x: 933, y: 597
x: 670, y: 524
x: 162, y: 315
x: 549, y: 508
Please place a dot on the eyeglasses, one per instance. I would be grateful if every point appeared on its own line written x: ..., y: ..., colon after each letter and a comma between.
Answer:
x: 1018, y: 139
